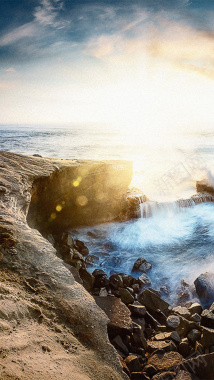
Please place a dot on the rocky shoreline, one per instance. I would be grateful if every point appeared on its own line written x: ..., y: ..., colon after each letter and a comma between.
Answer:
x: 58, y: 319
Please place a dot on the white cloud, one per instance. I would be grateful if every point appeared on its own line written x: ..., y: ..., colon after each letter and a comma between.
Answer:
x: 26, y: 30
x: 46, y: 13
x: 10, y: 70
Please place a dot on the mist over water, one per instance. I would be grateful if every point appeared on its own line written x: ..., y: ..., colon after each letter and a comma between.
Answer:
x: 179, y: 242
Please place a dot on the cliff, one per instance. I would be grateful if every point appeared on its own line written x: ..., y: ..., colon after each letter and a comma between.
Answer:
x: 50, y: 326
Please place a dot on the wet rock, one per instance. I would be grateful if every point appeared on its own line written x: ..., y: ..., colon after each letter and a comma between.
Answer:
x: 87, y: 278
x: 78, y: 264
x: 204, y: 285
x: 137, y: 310
x: 163, y: 362
x: 103, y: 292
x: 144, y: 280
x: 160, y: 316
x: 207, y: 318
x: 155, y: 291
x: 101, y: 278
x: 126, y: 296
x: 195, y: 308
x: 153, y: 301
x: 51, y: 239
x: 80, y: 246
x: 200, y: 366
x: 118, y: 344
x: 196, y: 318
x: 142, y: 265
x: 128, y: 280
x: 164, y: 290
x: 120, y: 321
x: 181, y: 310
x: 67, y: 240
x: 133, y: 363
x: 91, y: 234
x: 116, y: 281
x: 151, y: 320
x: 173, y: 321
x: 77, y: 255
x: 207, y: 337
x: 194, y: 335
x: 91, y: 260
x: 161, y: 345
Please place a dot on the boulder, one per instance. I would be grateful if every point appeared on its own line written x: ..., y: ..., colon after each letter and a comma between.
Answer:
x: 184, y: 348
x: 91, y: 260
x: 207, y: 318
x: 204, y: 285
x: 207, y: 337
x: 194, y: 335
x: 173, y: 321
x: 87, y: 278
x: 67, y: 239
x: 153, y: 302
x: 195, y: 308
x: 138, y: 310
x: 120, y: 322
x: 167, y: 345
x: 119, y: 345
x: 144, y: 280
x: 133, y: 363
x: 169, y: 375
x: 126, y: 296
x: 101, y: 278
x: 165, y: 361
x: 80, y: 246
x: 183, y: 375
x: 116, y: 281
x: 142, y: 265
x: 168, y: 335
x: 200, y: 366
x: 183, y: 311
x: 195, y: 318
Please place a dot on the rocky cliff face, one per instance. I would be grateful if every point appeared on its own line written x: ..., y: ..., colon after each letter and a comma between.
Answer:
x: 42, y: 303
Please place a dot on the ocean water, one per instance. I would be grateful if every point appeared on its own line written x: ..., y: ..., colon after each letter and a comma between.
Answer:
x: 179, y: 242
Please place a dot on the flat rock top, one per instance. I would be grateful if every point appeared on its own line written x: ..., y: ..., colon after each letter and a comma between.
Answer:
x: 165, y: 361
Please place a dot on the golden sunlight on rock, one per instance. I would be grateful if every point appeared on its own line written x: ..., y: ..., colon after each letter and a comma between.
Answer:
x: 82, y: 200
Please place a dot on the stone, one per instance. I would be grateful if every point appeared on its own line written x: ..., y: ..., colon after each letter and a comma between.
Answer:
x: 144, y: 280
x: 183, y: 375
x: 204, y: 285
x: 155, y: 291
x: 67, y: 239
x: 153, y: 301
x: 138, y: 338
x: 168, y: 335
x: 161, y: 328
x: 207, y: 318
x: 103, y: 292
x: 126, y: 296
x: 150, y: 370
x: 195, y: 318
x: 87, y: 278
x: 91, y: 260
x: 161, y: 345
x: 200, y: 366
x: 163, y: 362
x: 136, y: 288
x: 140, y: 321
x: 195, y: 308
x: 169, y: 375
x: 173, y: 321
x: 207, y: 337
x: 116, y: 281
x: 137, y: 310
x: 119, y: 344
x: 194, y: 335
x: 183, y: 311
x: 77, y: 255
x: 119, y: 315
x: 80, y: 246
x: 142, y: 265
x: 164, y: 290
x: 139, y: 376
x: 184, y: 348
x: 133, y: 363
x: 128, y: 280
x: 101, y: 278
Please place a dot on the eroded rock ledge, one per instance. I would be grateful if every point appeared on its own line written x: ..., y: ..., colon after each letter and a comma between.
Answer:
x: 54, y: 194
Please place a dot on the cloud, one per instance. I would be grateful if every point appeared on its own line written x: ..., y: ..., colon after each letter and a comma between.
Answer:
x: 10, y: 70
x: 24, y: 31
x: 47, y: 13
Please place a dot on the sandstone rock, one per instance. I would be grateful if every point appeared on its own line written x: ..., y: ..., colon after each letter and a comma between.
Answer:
x: 196, y: 318
x: 200, y: 366
x: 152, y: 301
x: 183, y: 375
x: 163, y: 362
x: 161, y: 345
x: 126, y: 296
x: 183, y: 311
x: 144, y: 280
x: 204, y: 285
x: 173, y: 321
x: 116, y: 281
x: 207, y: 318
x: 136, y: 288
x: 91, y: 260
x: 133, y: 363
x: 120, y: 321
x: 194, y: 335
x: 142, y: 265
x: 169, y: 375
x: 87, y: 278
x: 168, y: 335
x: 103, y: 292
x: 195, y: 308
x: 137, y: 310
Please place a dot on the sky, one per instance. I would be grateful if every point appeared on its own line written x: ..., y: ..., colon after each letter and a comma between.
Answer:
x: 143, y: 64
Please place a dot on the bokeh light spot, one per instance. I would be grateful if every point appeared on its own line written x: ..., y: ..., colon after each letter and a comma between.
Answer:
x: 53, y: 215
x: 82, y: 200
x: 58, y: 208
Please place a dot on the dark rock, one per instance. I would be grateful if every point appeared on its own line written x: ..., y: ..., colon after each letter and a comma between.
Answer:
x: 101, y: 278
x: 207, y: 318
x: 169, y: 375
x: 163, y: 362
x: 136, y: 288
x: 120, y: 321
x: 161, y: 328
x: 168, y: 335
x: 37, y: 155
x: 150, y: 370
x: 155, y: 291
x: 144, y: 280
x: 139, y: 376
x: 200, y: 366
x: 91, y: 260
x: 91, y: 234
x: 116, y: 281
x: 142, y: 265
x: 151, y: 320
x: 137, y: 310
x: 78, y: 264
x: 160, y: 316
x: 153, y: 301
x: 173, y: 321
x: 139, y: 321
x: 133, y: 363
x: 164, y: 290
x: 195, y: 318
x: 77, y: 255
x: 118, y: 344
x: 87, y: 278
x: 194, y: 335
x: 195, y: 308
x: 67, y: 240
x: 207, y: 337
x: 128, y: 280
x: 126, y: 296
x: 138, y: 338
x: 80, y: 246
x: 204, y: 285
x: 184, y: 348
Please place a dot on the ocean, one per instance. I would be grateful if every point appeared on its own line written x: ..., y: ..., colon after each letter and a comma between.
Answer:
x: 179, y: 242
